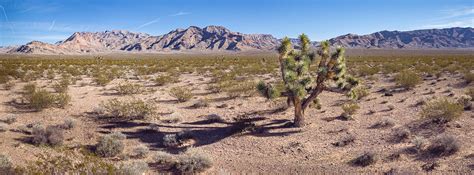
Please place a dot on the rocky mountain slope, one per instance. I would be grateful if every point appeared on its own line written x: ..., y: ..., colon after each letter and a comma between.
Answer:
x: 217, y: 38
x: 431, y: 38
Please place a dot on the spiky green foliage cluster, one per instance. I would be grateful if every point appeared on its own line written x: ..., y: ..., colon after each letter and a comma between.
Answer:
x: 296, y: 69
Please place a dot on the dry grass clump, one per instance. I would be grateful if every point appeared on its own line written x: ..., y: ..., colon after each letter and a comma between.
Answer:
x: 470, y: 92
x: 400, y: 134
x: 110, y: 145
x: 141, y: 151
x: 419, y: 143
x: 384, y: 123
x: 10, y: 119
x: 6, y: 166
x: 68, y: 124
x: 441, y: 110
x: 133, y: 168
x: 465, y: 101
x: 51, y: 135
x: 193, y: 161
x: 443, y: 145
x: 129, y: 88
x: 407, y: 79
x: 365, y: 159
x: 182, y: 94
x: 201, y: 103
x: 468, y: 77
x: 9, y: 85
x: 163, y: 80
x: 3, y: 127
x: 349, y: 110
x: 128, y: 110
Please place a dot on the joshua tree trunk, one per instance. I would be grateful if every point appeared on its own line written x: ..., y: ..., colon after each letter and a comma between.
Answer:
x: 299, y: 113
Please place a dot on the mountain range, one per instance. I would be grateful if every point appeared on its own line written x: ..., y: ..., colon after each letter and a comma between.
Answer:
x: 218, y: 38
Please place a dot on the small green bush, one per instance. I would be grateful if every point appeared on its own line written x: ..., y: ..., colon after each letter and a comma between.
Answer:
x: 61, y: 86
x: 407, y: 79
x: 358, y: 93
x: 110, y: 145
x: 163, y: 80
x: 128, y: 110
x: 349, y: 110
x: 181, y: 93
x: 129, y: 88
x: 441, y: 110
x: 41, y: 99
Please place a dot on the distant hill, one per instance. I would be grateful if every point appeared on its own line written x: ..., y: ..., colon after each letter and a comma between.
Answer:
x: 218, y: 38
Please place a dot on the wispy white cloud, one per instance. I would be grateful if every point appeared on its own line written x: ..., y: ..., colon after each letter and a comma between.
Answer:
x: 6, y: 19
x: 455, y: 17
x: 52, y: 25
x: 148, y: 23
x: 43, y: 8
x: 464, y: 23
x: 180, y: 14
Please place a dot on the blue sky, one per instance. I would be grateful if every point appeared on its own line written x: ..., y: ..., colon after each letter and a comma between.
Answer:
x: 52, y: 20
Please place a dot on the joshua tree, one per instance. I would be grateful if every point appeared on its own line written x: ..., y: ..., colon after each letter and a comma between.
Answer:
x: 301, y: 87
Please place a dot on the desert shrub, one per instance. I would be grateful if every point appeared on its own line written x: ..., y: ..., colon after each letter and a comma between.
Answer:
x: 441, y: 110
x: 6, y: 166
x: 365, y: 159
x: 164, y: 158
x: 133, y: 168
x: 174, y: 140
x: 349, y: 110
x: 470, y: 92
x: 400, y: 134
x: 68, y: 163
x: 129, y: 88
x: 62, y: 100
x: 173, y: 118
x: 128, y: 110
x: 3, y: 127
x: 238, y: 89
x: 214, y: 118
x: 443, y: 145
x: 51, y: 135
x: 41, y: 99
x: 163, y: 80
x: 9, y: 85
x: 201, y: 103
x: 407, y: 79
x: 193, y: 161
x: 141, y: 151
x: 385, y: 122
x: 181, y: 93
x: 367, y: 70
x: 358, y: 93
x: 10, y: 119
x: 110, y: 145
x: 465, y: 101
x: 102, y: 79
x: 68, y: 124
x: 468, y: 77
x: 61, y: 86
x: 419, y: 143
